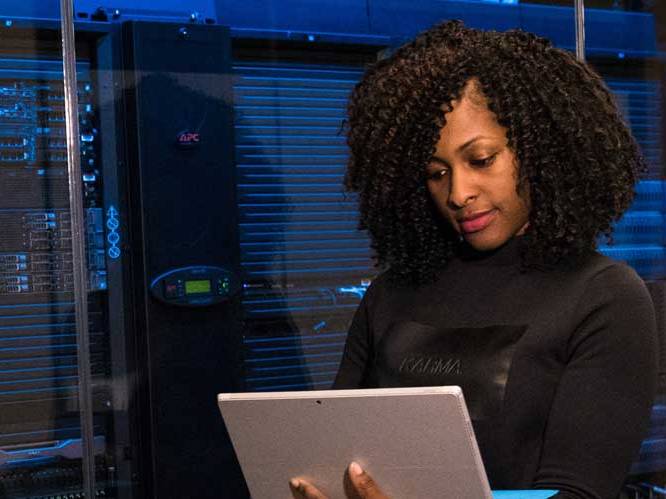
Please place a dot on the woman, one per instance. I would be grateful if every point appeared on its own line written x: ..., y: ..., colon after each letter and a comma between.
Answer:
x: 487, y: 166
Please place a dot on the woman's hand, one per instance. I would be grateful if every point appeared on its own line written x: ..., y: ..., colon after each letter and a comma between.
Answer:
x: 358, y: 485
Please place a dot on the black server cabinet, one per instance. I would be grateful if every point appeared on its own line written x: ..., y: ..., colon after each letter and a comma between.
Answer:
x: 184, y: 262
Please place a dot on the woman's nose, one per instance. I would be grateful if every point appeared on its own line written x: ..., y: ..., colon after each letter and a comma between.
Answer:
x: 462, y: 189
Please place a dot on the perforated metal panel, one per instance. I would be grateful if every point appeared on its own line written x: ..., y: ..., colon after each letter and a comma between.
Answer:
x: 641, y: 103
x: 639, y: 237
x: 305, y: 264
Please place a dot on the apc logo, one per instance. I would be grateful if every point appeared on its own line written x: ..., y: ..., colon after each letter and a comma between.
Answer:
x: 188, y: 140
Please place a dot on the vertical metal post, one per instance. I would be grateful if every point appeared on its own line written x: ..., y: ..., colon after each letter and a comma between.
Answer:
x: 580, y: 30
x: 78, y: 243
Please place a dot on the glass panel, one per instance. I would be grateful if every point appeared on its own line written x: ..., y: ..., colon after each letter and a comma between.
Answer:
x: 217, y: 163
x: 636, y: 77
x: 305, y: 265
x: 222, y: 251
x: 41, y: 439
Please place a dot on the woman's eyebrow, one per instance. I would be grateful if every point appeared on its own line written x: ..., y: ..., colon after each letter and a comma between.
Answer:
x: 462, y: 147
x: 471, y: 141
x: 437, y: 159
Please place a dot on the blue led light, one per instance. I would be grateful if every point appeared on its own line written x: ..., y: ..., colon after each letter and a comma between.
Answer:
x: 113, y: 236
x: 355, y: 290
x: 60, y: 445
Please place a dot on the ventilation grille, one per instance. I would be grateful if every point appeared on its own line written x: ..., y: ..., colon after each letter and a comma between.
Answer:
x: 305, y: 264
x: 639, y: 237
x: 640, y: 101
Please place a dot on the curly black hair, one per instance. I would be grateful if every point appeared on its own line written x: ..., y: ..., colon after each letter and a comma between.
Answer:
x: 576, y: 155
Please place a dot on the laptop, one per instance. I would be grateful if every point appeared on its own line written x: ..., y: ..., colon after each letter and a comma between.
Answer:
x: 415, y: 442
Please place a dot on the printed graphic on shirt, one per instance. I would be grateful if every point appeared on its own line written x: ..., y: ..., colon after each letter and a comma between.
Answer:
x: 476, y: 359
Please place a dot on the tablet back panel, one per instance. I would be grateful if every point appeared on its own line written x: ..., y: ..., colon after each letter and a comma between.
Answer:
x: 416, y: 442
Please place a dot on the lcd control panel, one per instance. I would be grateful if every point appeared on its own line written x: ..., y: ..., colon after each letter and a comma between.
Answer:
x: 195, y: 286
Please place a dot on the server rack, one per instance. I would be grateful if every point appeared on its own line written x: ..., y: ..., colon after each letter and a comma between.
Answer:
x: 40, y: 445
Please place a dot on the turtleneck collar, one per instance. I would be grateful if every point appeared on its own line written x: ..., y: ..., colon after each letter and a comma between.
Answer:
x: 507, y: 254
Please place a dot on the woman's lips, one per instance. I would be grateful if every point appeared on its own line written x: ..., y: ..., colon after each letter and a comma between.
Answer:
x: 477, y: 222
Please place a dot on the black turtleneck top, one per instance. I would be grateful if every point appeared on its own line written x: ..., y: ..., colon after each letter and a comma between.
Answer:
x: 558, y: 366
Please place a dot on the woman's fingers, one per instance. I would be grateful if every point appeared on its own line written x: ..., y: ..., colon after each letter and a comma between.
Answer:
x: 363, y: 484
x: 359, y: 486
x: 301, y: 489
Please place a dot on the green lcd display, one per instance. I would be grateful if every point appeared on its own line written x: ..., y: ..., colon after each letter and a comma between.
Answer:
x: 200, y: 286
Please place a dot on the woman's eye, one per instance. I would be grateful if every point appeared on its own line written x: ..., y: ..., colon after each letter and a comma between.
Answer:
x: 437, y: 174
x: 483, y: 162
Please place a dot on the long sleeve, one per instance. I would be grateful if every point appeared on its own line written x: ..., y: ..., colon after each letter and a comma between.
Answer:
x: 603, y: 401
x: 354, y: 366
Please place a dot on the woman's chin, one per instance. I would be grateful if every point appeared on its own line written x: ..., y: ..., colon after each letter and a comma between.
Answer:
x: 484, y: 242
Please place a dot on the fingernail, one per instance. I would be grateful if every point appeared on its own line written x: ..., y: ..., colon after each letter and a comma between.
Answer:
x: 355, y: 468
x: 294, y: 483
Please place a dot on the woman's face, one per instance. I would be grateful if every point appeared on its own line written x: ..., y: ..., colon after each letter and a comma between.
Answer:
x: 472, y: 177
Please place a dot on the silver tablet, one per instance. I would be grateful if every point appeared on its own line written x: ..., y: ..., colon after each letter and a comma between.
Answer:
x: 415, y: 442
